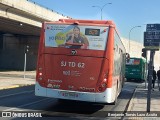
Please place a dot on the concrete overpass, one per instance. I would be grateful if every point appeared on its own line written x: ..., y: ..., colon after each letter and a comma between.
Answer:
x: 20, y: 23
x: 24, y: 17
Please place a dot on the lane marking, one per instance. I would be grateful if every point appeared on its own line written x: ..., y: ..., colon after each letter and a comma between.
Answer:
x: 24, y: 105
x: 16, y: 94
x: 15, y: 86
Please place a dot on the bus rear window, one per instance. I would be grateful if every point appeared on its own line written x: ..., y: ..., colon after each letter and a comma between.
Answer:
x: 76, y: 36
x: 133, y: 62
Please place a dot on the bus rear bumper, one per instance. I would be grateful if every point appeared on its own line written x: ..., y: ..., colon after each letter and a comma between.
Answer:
x: 104, y: 97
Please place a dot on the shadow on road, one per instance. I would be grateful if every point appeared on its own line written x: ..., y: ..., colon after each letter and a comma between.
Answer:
x: 70, y: 106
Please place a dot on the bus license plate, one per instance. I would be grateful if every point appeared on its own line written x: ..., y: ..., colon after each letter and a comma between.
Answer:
x: 69, y: 94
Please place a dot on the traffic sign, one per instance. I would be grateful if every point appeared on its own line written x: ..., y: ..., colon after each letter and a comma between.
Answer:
x: 153, y: 27
x: 152, y: 36
x: 151, y: 44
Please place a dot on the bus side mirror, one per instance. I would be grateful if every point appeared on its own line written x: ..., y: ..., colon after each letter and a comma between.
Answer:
x: 127, y: 57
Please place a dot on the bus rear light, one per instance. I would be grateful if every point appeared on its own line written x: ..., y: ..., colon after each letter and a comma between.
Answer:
x: 105, y: 80
x: 103, y: 85
x: 40, y: 74
x: 39, y: 68
x: 100, y: 89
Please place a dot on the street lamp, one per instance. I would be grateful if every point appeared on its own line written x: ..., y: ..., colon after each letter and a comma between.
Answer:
x: 101, y: 8
x: 129, y: 35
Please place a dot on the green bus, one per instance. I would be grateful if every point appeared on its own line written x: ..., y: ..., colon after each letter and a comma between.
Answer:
x: 136, y: 69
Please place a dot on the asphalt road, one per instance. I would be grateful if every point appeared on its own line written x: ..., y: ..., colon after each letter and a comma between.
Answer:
x: 23, y: 99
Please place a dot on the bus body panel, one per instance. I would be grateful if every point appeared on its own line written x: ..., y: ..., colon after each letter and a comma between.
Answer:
x: 74, y: 73
x: 80, y: 74
x: 119, y: 63
x: 105, y: 97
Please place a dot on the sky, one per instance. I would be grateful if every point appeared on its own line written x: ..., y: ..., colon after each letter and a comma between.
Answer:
x: 126, y: 14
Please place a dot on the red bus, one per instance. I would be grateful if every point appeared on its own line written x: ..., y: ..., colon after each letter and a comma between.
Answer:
x: 80, y: 60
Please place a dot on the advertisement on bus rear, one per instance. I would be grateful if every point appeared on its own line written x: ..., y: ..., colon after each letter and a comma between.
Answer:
x: 76, y: 36
x: 133, y: 62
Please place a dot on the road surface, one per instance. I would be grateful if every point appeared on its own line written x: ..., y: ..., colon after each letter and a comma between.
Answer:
x: 23, y: 100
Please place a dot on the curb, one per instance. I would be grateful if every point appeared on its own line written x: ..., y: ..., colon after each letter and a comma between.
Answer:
x: 14, y: 86
x: 130, y: 106
x: 9, y: 87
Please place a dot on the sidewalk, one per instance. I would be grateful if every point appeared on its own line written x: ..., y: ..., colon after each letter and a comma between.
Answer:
x: 13, y: 79
x: 138, y: 103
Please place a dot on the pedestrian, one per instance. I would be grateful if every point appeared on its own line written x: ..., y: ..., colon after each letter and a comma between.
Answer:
x: 154, y: 78
x: 158, y: 76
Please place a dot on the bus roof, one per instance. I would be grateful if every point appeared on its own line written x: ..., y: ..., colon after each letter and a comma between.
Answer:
x: 83, y: 22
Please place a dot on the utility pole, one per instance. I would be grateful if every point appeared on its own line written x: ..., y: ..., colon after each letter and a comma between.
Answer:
x: 129, y: 37
x: 26, y: 50
x: 101, y: 8
x: 150, y: 80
